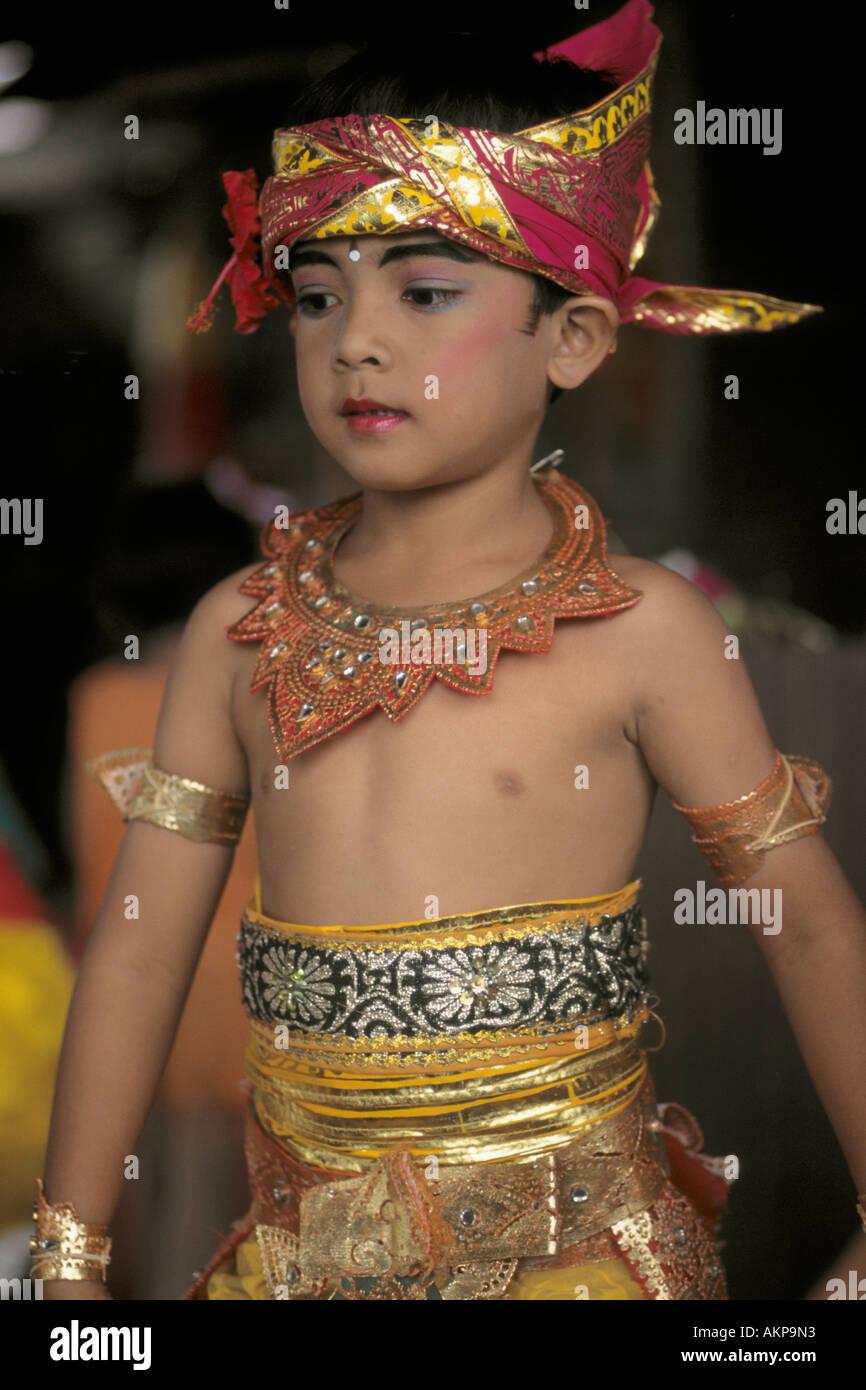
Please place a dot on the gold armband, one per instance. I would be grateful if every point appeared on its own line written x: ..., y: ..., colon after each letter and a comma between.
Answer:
x: 63, y: 1246
x: 142, y: 791
x: 791, y: 801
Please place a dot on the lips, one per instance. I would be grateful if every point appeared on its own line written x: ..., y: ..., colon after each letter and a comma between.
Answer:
x: 365, y: 406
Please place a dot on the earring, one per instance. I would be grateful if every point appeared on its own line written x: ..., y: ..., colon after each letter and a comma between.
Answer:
x: 551, y: 461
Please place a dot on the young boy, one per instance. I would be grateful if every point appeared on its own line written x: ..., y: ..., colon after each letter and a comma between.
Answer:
x: 444, y: 965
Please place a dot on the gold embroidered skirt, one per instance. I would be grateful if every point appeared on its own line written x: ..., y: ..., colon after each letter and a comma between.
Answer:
x: 458, y: 1108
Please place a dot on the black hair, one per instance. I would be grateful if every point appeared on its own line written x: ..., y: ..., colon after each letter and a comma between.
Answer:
x: 473, y: 81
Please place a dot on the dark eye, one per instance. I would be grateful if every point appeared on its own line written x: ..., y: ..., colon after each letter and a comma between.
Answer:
x: 307, y: 302
x: 431, y: 289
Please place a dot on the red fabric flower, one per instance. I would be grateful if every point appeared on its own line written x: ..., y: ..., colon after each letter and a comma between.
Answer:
x: 252, y: 298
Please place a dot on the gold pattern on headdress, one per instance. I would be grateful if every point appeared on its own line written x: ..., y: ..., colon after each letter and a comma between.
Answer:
x: 444, y: 172
x: 594, y: 130
x: 646, y: 220
x: 590, y: 133
x: 734, y: 836
x: 719, y: 312
x: 440, y: 171
x: 520, y: 198
x: 142, y: 791
x: 588, y: 174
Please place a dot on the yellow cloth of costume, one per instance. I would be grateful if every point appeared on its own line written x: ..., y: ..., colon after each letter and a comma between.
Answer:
x: 458, y: 1108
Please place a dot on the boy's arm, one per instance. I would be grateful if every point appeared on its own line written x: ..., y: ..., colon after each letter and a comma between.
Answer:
x: 142, y: 953
x: 699, y: 725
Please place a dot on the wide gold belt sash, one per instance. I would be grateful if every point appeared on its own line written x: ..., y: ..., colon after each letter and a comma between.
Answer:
x: 462, y: 1094
x: 520, y: 1110
x: 462, y: 1225
x: 380, y: 1155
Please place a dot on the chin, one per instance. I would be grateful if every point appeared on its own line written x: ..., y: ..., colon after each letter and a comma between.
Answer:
x: 390, y: 475
x: 374, y: 466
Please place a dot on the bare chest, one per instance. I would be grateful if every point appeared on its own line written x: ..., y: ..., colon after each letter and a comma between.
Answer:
x: 506, y: 793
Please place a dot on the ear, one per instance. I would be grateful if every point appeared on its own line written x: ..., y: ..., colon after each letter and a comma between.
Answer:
x: 583, y: 332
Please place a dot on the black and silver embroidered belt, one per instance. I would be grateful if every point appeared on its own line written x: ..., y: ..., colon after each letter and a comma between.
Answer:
x: 535, y: 964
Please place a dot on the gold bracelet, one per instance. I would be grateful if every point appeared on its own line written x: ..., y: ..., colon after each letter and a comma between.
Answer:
x: 143, y: 791
x: 734, y: 836
x: 64, y: 1246
x: 69, y: 1267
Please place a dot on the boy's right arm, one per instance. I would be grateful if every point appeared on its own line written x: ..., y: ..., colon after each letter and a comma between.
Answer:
x: 141, y: 956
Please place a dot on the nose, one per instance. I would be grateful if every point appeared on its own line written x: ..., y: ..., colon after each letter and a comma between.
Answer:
x: 358, y: 342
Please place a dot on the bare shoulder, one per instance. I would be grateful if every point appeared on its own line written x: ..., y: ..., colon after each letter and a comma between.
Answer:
x: 216, y: 611
x: 204, y: 645
x: 669, y: 601
x: 225, y: 601
x: 195, y: 735
x: 672, y: 641
x: 700, y: 725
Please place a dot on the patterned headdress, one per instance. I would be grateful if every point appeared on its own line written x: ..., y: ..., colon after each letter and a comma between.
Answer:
x: 572, y: 199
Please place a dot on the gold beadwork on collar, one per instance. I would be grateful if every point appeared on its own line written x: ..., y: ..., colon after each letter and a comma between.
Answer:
x: 325, y: 655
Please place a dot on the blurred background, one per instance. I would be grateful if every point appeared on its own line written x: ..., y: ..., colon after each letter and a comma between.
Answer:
x: 106, y: 246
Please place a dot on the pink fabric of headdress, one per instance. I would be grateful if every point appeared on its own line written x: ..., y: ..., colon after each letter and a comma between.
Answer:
x: 572, y: 199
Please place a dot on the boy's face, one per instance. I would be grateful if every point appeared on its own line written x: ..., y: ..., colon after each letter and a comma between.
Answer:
x: 428, y: 326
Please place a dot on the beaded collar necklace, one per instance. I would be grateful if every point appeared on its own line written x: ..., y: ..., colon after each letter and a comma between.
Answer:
x: 329, y: 657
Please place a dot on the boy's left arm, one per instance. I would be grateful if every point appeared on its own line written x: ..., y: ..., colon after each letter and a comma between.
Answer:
x: 700, y: 728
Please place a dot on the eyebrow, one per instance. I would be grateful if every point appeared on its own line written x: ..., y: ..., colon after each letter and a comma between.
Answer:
x: 448, y: 250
